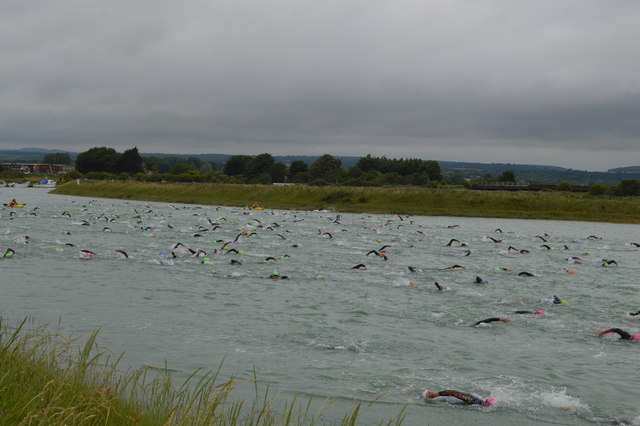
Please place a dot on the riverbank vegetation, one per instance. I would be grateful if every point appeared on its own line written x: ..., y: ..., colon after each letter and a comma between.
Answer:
x: 556, y: 205
x: 46, y: 379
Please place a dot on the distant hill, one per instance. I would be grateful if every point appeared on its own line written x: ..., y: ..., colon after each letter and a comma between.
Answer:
x: 525, y: 173
x: 631, y: 169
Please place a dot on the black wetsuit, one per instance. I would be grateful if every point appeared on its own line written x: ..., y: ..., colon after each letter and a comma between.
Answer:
x: 488, y: 320
x: 623, y: 334
x: 464, y: 397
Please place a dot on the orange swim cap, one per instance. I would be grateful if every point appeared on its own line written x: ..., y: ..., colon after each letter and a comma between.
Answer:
x: 570, y: 271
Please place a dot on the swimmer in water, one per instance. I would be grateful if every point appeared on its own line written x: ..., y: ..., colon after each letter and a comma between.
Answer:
x: 480, y: 280
x: 235, y: 262
x: 87, y: 254
x: 360, y: 266
x: 440, y: 288
x: 451, y: 268
x: 606, y: 263
x: 124, y: 253
x: 9, y: 253
x: 623, y: 334
x: 488, y: 320
x: 412, y: 268
x: 558, y: 301
x: 634, y: 314
x: 451, y: 241
x: 525, y: 274
x: 538, y: 312
x: 467, y: 398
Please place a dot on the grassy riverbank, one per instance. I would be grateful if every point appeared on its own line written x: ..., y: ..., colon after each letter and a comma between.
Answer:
x: 413, y: 201
x: 45, y: 379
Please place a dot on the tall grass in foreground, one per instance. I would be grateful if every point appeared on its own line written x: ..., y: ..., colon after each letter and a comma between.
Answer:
x: 46, y: 379
x: 414, y: 201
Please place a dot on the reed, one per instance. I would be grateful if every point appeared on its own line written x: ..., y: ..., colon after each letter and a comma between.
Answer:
x: 48, y: 379
x: 413, y: 201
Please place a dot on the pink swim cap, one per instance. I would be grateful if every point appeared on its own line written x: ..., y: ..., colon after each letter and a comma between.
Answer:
x: 636, y: 337
x: 488, y: 402
x: 540, y: 312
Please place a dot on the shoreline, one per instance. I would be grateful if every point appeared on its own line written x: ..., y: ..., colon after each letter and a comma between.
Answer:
x: 375, y: 200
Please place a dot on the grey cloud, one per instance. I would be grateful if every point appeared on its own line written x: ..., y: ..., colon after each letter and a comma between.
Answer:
x: 503, y: 81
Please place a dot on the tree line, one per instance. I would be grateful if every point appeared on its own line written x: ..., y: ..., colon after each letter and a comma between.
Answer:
x: 107, y: 163
x: 102, y: 162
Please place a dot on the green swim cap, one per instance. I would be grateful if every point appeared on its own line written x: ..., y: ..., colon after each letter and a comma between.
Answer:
x: 8, y: 255
x: 275, y: 273
x: 205, y: 259
x: 320, y: 277
x: 240, y: 252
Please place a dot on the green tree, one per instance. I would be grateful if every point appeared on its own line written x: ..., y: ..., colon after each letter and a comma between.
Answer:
x: 507, y: 176
x: 236, y: 165
x: 324, y: 167
x: 259, y: 165
x: 564, y: 186
x: 627, y: 187
x: 278, y: 172
x: 130, y: 162
x: 432, y: 168
x: 182, y: 168
x: 99, y: 159
x: 57, y: 158
x: 297, y: 166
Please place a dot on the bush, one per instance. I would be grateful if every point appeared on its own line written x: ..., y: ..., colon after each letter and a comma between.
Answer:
x: 564, y: 186
x: 598, y: 189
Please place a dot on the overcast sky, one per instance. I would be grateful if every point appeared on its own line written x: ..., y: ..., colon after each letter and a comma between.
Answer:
x: 553, y: 82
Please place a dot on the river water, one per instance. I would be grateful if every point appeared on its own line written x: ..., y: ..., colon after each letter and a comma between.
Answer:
x: 332, y: 330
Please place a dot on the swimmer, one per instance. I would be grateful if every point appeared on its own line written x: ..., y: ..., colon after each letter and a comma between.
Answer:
x: 593, y: 237
x: 87, y: 254
x: 451, y: 241
x: 542, y: 238
x: 276, y: 276
x: 558, y: 301
x: 525, y: 274
x: 464, y: 397
x: 451, y: 268
x: 498, y: 230
x: 467, y: 253
x: 232, y: 250
x: 546, y: 246
x: 495, y: 240
x: 574, y: 259
x: 9, y: 253
x: 512, y: 249
x: 623, y: 334
x: 360, y: 266
x: 606, y: 263
x: 124, y: 253
x: 634, y: 314
x: 566, y: 247
x: 634, y: 244
x: 235, y: 262
x: 412, y: 268
x: 538, y: 312
x: 440, y: 288
x: 480, y: 280
x: 488, y: 320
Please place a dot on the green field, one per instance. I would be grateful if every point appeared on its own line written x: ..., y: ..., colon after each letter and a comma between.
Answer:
x: 552, y: 205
